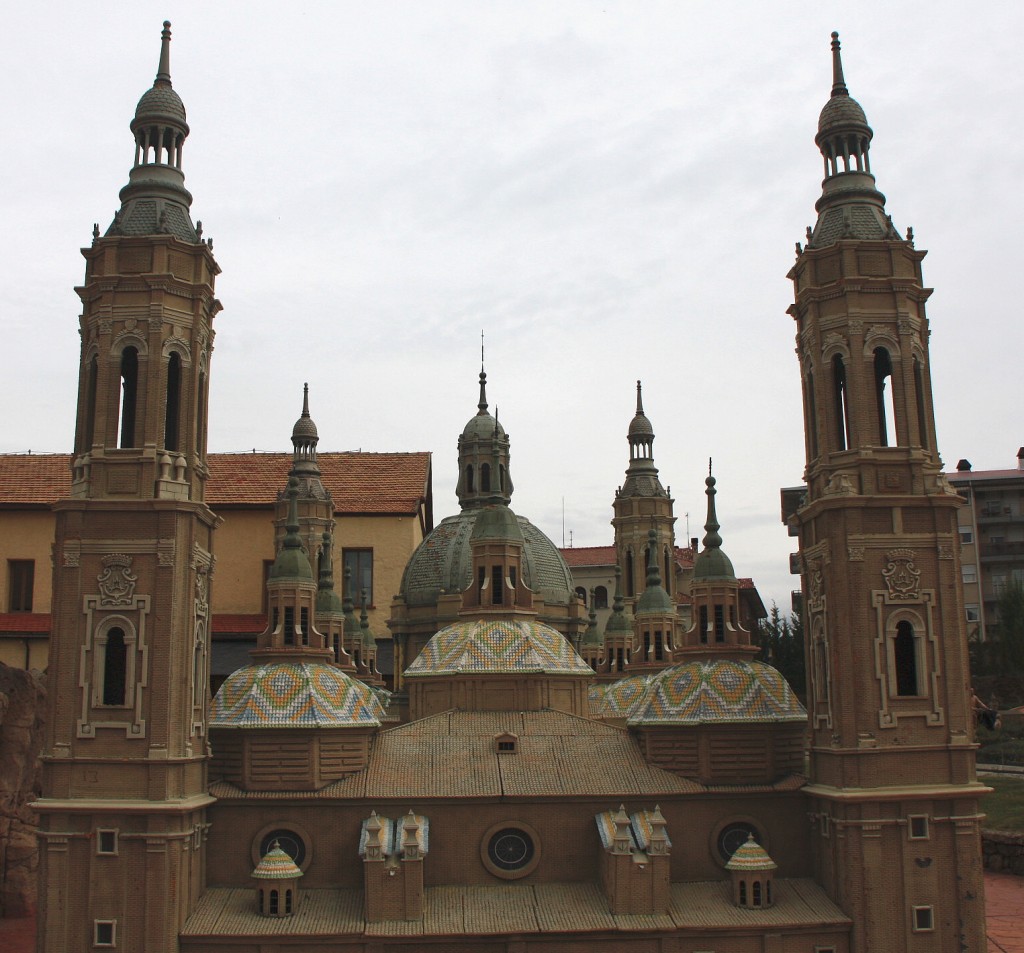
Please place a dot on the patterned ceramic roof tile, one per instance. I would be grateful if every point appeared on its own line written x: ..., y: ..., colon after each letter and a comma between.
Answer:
x: 359, y: 482
x: 618, y: 699
x: 293, y: 695
x: 750, y: 856
x: 276, y: 865
x: 718, y: 692
x: 498, y: 646
x: 515, y: 909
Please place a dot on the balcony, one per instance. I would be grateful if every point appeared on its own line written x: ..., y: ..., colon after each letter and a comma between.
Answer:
x: 991, y: 552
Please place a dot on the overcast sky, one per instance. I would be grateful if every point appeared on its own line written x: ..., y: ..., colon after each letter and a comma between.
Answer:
x: 611, y: 191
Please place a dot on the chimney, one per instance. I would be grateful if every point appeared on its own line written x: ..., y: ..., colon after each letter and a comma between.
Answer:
x: 1020, y: 459
x: 964, y: 466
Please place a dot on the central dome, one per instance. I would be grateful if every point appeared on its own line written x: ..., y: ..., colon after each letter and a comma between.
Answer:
x: 499, y: 646
x: 443, y: 563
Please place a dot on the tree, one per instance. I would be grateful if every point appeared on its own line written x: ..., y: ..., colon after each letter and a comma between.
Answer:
x: 1008, y: 649
x: 782, y: 647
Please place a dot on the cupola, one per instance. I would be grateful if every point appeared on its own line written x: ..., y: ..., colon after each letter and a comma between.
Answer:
x: 484, y: 476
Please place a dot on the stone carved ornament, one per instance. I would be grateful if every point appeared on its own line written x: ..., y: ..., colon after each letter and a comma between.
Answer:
x: 902, y: 578
x: 116, y: 582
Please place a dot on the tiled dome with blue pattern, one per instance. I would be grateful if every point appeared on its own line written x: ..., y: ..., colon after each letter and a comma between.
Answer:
x: 717, y: 692
x: 294, y: 695
x: 618, y: 699
x: 498, y: 646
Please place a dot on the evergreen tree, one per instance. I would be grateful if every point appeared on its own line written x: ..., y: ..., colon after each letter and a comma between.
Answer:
x: 782, y: 647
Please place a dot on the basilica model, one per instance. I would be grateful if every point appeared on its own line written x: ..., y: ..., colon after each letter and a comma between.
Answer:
x: 533, y: 783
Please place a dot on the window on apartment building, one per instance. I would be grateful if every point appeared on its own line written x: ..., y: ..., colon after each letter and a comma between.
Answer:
x: 357, y: 567
x: 969, y: 572
x: 20, y: 578
x: 973, y: 613
x: 923, y: 921
x: 966, y: 536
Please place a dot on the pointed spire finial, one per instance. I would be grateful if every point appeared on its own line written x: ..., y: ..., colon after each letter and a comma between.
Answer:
x: 305, y: 399
x: 482, y: 405
x: 712, y: 539
x: 639, y: 398
x: 163, y: 71
x: 838, y: 81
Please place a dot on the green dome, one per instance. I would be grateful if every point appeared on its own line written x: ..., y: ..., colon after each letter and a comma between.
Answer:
x: 718, y: 692
x: 443, y: 563
x: 498, y: 646
x: 292, y: 564
x: 497, y: 522
x: 294, y: 695
x: 654, y: 600
x: 713, y: 564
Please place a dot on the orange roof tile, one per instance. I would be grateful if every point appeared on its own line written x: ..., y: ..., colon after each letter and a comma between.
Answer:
x: 589, y: 556
x: 25, y: 622
x: 226, y: 623
x: 359, y: 482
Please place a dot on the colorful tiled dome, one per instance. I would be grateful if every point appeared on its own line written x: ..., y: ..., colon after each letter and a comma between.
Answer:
x: 294, y: 695
x: 618, y: 699
x: 276, y: 865
x: 716, y: 692
x: 750, y: 856
x: 498, y: 646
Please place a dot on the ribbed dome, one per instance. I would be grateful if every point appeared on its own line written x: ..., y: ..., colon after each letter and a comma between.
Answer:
x: 276, y: 865
x: 718, y: 692
x: 294, y: 695
x: 499, y: 646
x: 841, y: 111
x: 482, y: 425
x: 292, y: 564
x: 160, y: 102
x: 443, y: 562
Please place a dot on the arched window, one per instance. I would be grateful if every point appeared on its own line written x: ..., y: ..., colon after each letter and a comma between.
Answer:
x: 600, y: 597
x: 842, y: 404
x: 115, y: 667
x: 743, y: 892
x: 922, y: 416
x: 497, y: 586
x: 172, y: 411
x: 129, y: 395
x: 757, y: 893
x: 812, y: 419
x: 884, y: 403
x: 469, y: 478
x: 198, y: 675
x: 485, y: 478
x: 630, y: 588
x: 287, y: 901
x: 91, y: 371
x: 582, y: 593
x: 905, y: 656
x: 273, y: 903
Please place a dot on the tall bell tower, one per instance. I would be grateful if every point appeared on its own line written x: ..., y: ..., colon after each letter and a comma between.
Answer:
x: 892, y: 782
x: 123, y: 813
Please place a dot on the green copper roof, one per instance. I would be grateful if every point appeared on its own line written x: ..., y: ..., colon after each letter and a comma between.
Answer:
x: 620, y: 620
x: 654, y: 600
x: 712, y: 563
x: 292, y: 561
x: 496, y: 522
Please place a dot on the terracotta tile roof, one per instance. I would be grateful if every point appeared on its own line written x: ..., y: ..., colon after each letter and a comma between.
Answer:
x: 228, y: 624
x: 25, y: 622
x: 510, y: 909
x: 589, y: 556
x: 359, y: 482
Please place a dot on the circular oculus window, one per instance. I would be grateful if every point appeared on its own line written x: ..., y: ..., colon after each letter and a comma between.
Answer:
x: 293, y: 840
x: 510, y: 850
x: 733, y: 836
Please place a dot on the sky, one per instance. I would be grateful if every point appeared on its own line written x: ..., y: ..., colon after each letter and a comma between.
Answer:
x: 609, y: 191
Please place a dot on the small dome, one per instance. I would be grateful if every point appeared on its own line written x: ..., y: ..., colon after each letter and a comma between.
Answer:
x: 618, y: 699
x: 482, y: 426
x: 718, y: 692
x: 443, y: 563
x: 292, y: 563
x: 160, y: 103
x: 276, y: 865
x: 712, y: 563
x: 841, y: 111
x: 750, y: 856
x: 640, y: 426
x: 304, y: 429
x: 654, y: 600
x: 497, y: 522
x: 498, y: 646
x: 294, y: 695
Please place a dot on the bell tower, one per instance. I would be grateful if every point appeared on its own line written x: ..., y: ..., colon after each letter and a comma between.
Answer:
x: 124, y: 769
x: 892, y: 783
x: 642, y: 504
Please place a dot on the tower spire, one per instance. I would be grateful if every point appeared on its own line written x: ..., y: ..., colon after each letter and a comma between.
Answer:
x: 163, y: 71
x: 838, y: 81
x: 712, y: 538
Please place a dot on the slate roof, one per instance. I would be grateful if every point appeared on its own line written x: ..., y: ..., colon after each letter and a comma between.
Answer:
x: 509, y: 909
x: 359, y: 482
x: 452, y: 754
